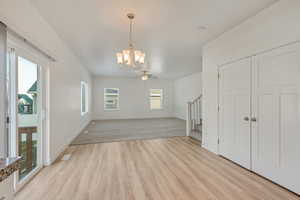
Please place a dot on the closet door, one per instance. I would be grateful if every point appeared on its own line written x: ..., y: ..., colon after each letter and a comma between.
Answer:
x: 276, y: 116
x: 235, y: 101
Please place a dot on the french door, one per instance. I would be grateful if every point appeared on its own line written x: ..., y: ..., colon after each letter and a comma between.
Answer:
x: 25, y: 103
x: 259, y: 119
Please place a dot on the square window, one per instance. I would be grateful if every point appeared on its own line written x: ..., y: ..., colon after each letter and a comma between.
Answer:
x: 111, y: 98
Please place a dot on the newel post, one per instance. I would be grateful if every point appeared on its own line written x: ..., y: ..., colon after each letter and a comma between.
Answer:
x: 188, y: 118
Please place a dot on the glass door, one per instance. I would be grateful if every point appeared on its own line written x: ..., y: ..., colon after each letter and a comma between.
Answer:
x: 27, y: 119
x: 27, y: 115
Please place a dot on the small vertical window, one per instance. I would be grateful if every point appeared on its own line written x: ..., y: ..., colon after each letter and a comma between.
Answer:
x: 84, y: 98
x: 156, y: 99
x: 111, y: 98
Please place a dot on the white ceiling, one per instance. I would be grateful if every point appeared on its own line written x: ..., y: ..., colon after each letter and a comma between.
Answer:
x: 169, y: 31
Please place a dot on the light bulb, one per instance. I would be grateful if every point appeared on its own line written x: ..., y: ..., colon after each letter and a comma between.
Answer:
x: 142, y: 58
x: 120, y: 58
x: 137, y: 56
x: 126, y: 56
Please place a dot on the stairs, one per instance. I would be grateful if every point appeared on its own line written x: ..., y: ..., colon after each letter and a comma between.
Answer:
x: 194, y: 120
x: 196, y: 132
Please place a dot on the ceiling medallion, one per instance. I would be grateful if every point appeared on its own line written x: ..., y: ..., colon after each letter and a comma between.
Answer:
x: 131, y: 57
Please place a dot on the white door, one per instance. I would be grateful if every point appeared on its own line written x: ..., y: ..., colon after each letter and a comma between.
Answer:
x: 276, y: 108
x: 235, y: 101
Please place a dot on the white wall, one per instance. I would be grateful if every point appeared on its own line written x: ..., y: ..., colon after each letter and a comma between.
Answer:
x: 134, y: 98
x: 276, y: 25
x: 65, y: 74
x: 186, y: 89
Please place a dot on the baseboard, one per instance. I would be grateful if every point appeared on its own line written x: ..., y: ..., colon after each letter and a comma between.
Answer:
x: 63, y: 149
x: 180, y: 118
x: 103, y: 119
x: 59, y: 154
x: 208, y: 149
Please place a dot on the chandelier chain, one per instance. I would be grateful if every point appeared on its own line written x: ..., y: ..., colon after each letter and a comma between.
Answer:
x: 130, y: 33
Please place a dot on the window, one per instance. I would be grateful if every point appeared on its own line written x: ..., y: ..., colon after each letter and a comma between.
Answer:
x: 111, y: 98
x: 156, y: 96
x: 84, y: 98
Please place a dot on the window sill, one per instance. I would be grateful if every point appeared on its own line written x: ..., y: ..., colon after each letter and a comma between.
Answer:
x: 108, y: 110
x: 83, y: 114
x: 158, y: 109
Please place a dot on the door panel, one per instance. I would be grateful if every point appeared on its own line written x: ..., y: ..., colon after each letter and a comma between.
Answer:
x: 243, y: 135
x: 227, y: 126
x: 235, y: 90
x: 267, y: 142
x: 28, y: 118
x: 276, y: 105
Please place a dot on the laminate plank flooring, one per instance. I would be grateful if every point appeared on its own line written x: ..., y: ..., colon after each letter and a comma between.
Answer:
x: 174, y: 168
x: 130, y: 129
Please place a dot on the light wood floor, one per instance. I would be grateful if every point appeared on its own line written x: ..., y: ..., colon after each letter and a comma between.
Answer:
x: 160, y: 169
x: 130, y: 129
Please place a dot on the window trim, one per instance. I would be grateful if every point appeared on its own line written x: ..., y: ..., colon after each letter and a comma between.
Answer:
x: 118, y: 102
x: 84, y: 84
x: 161, y: 99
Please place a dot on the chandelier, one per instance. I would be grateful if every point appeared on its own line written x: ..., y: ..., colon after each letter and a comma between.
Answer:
x: 131, y: 57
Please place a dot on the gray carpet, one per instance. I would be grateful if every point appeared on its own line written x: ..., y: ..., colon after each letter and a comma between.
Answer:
x: 130, y: 129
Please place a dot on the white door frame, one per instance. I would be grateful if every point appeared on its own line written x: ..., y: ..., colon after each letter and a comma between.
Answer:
x: 17, y: 48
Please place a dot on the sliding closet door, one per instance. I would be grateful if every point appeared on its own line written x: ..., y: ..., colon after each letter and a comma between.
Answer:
x: 276, y: 116
x: 235, y: 101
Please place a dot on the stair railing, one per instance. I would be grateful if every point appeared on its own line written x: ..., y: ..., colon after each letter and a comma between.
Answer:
x: 194, y: 118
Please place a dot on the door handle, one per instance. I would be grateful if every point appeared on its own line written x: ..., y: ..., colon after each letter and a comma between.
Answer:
x: 246, y: 118
x: 253, y: 119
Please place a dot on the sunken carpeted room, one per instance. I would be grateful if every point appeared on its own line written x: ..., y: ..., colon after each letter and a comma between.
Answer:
x: 130, y: 129
x: 149, y: 100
